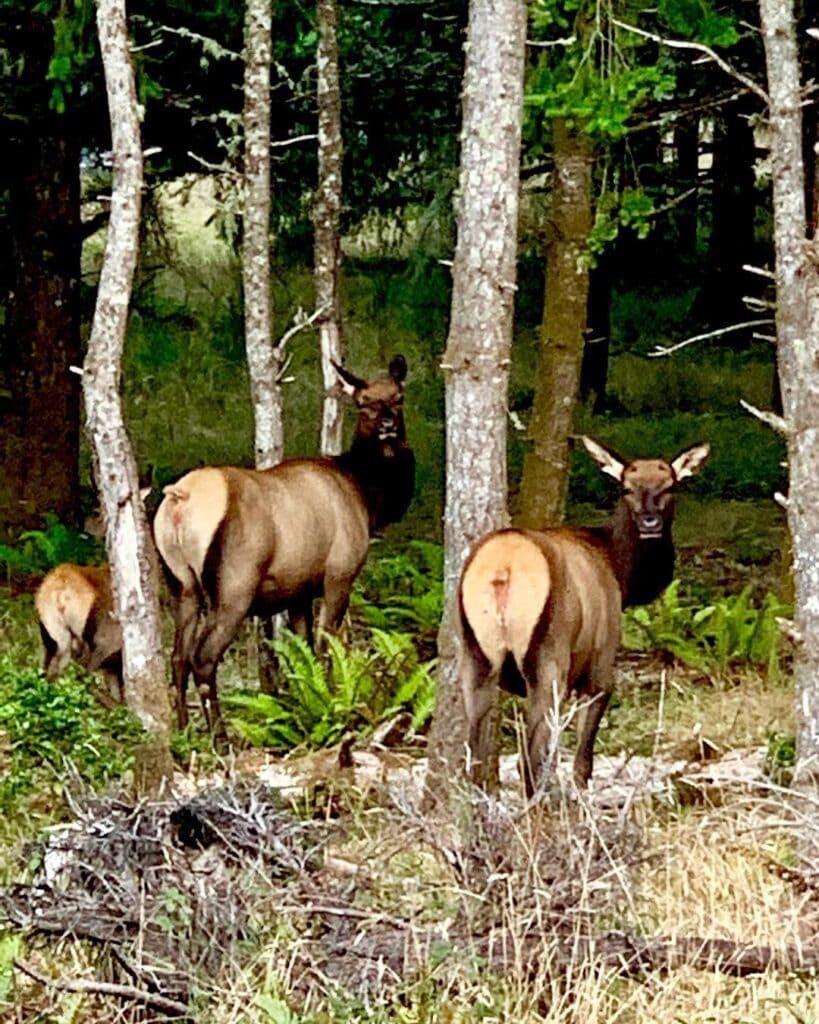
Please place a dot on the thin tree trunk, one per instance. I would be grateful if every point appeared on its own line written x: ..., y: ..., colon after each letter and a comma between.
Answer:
x: 476, y: 361
x: 687, y: 146
x: 594, y: 370
x: 127, y: 537
x: 546, y: 464
x: 327, y: 223
x: 797, y: 327
x: 39, y: 396
x: 262, y: 356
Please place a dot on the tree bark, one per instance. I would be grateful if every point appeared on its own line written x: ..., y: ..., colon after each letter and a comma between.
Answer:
x: 39, y: 397
x: 327, y: 225
x: 797, y: 327
x: 546, y: 464
x: 127, y: 537
x: 262, y: 355
x: 476, y: 362
x: 687, y: 146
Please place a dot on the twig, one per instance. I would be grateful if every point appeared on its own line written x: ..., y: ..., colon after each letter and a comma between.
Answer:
x: 770, y: 419
x: 759, y: 271
x: 281, y: 143
x: 682, y: 44
x: 222, y: 168
x: 300, y: 323
x: 108, y: 988
x: 663, y: 350
x: 544, y: 43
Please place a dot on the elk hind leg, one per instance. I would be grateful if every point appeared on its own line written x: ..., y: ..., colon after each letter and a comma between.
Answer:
x: 214, y: 638
x: 479, y: 685
x: 545, y: 688
x: 186, y: 615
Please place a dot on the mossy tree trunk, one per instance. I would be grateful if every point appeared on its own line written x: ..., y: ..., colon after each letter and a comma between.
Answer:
x: 797, y: 328
x: 476, y: 362
x: 327, y: 225
x: 127, y: 537
x: 562, y: 333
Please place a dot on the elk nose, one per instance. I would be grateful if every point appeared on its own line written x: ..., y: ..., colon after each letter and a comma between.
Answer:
x: 650, y: 523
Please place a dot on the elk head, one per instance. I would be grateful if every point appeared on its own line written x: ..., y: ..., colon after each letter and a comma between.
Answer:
x: 647, y: 485
x: 379, y: 403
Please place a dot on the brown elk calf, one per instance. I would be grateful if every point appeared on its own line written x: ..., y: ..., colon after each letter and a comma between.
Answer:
x: 540, y: 611
x: 243, y: 541
x: 75, y: 606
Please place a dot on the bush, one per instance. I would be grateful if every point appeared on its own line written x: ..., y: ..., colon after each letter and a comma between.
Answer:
x: 46, y: 727
x: 713, y: 639
x: 321, y: 700
x: 37, y: 551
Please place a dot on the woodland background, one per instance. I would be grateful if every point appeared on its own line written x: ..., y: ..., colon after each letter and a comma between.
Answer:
x: 673, y: 148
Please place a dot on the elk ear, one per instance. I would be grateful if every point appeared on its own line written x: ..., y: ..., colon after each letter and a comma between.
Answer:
x: 144, y: 492
x: 687, y: 463
x: 398, y: 369
x: 349, y: 382
x: 605, y: 459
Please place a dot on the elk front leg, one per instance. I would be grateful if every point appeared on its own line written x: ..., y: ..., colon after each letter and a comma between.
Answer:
x: 594, y: 699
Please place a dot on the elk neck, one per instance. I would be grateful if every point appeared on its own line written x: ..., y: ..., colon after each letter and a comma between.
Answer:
x: 385, y: 475
x: 643, y: 566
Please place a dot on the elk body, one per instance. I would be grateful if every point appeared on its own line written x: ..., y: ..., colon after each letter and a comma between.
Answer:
x: 242, y: 541
x: 75, y: 606
x: 540, y: 611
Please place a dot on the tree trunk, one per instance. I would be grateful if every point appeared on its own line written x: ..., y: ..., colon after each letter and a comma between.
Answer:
x: 262, y: 356
x: 327, y: 224
x: 127, y: 537
x: 732, y: 223
x: 797, y: 327
x: 546, y: 464
x: 476, y: 361
x: 687, y: 146
x: 594, y: 370
x: 39, y: 397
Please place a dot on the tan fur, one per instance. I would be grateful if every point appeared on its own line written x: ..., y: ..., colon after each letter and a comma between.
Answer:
x: 187, y: 520
x: 503, y: 592
x: 64, y: 601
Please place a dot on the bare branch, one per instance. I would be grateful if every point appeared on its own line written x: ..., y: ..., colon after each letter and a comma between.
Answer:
x: 544, y: 43
x: 222, y: 168
x: 770, y: 419
x: 667, y: 350
x: 281, y: 143
x: 681, y: 44
x: 107, y: 988
x: 301, y: 321
x: 761, y: 271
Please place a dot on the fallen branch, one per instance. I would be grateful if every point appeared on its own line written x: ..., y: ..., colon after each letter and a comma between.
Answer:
x: 106, y: 988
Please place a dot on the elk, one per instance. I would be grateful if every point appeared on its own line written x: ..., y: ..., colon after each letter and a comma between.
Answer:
x: 75, y: 606
x: 237, y: 541
x: 540, y: 611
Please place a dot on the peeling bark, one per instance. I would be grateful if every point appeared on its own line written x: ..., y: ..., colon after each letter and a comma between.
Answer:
x: 263, y: 358
x: 797, y: 328
x: 546, y: 465
x: 476, y: 361
x: 127, y: 537
x: 327, y: 225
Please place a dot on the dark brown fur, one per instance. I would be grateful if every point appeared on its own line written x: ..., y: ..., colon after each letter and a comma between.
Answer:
x: 540, y: 612
x: 238, y: 541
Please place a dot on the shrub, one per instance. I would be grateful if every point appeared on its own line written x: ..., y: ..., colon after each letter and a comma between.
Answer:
x: 37, y: 551
x: 321, y: 700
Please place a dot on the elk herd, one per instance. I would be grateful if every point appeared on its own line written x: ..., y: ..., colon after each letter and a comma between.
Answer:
x: 538, y: 611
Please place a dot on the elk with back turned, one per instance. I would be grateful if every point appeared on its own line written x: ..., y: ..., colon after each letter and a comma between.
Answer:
x: 241, y: 541
x: 540, y: 612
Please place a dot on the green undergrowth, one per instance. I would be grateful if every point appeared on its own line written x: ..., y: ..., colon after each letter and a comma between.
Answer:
x: 53, y: 735
x: 323, y: 698
x: 37, y: 551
